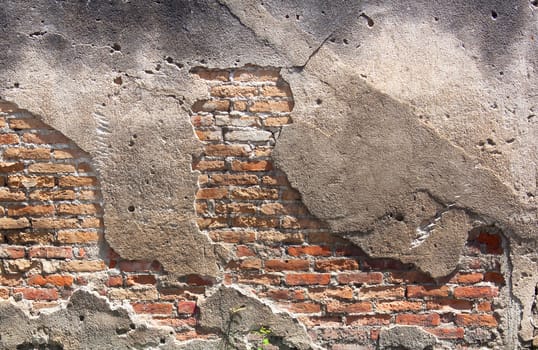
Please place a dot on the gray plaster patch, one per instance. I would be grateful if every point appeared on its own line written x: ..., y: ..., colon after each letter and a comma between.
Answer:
x: 406, y: 338
x: 87, y: 322
x: 236, y: 315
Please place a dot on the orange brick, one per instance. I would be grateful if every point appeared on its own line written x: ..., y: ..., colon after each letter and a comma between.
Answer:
x: 309, y: 250
x: 91, y: 222
x: 27, y: 123
x: 209, y: 165
x: 256, y: 75
x: 322, y: 293
x: 236, y: 208
x: 30, y: 181
x: 254, y: 193
x: 290, y: 222
x: 27, y: 153
x: 381, y: 292
x: 51, y: 252
x: 53, y: 223
x: 9, y: 139
x: 233, y: 91
x: 243, y: 250
x: 202, y: 120
x: 427, y: 291
x: 48, y: 138
x: 11, y: 224
x: 336, y: 265
x: 233, y: 236
x: 260, y: 165
x: 291, y: 195
x: 253, y: 221
x: 234, y: 179
x: 115, y: 281
x: 472, y: 320
x: 212, y: 193
x: 240, y: 106
x: 398, y: 306
x: 12, y: 252
x: 153, y: 308
x: 360, y: 278
x: 277, y: 121
x: 262, y: 279
x: 37, y: 293
x: 423, y: 320
x: 495, y: 277
x: 212, y: 223
x: 476, y: 292
x: 30, y: 238
x: 226, y: 150
x: 301, y: 279
x: 467, y: 278
x: 271, y: 106
x: 484, y: 307
x: 282, y: 90
x: 186, y: 307
x: 52, y: 195
x: 78, y: 209
x: 11, y: 167
x: 31, y: 210
x: 211, y: 74
x: 209, y: 135
x: 287, y: 265
x: 77, y: 181
x: 211, y: 106
x: 83, y: 266
x: 7, y: 195
x: 285, y: 294
x: 77, y: 237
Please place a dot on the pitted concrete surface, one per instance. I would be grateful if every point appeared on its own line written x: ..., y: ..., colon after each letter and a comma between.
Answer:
x: 406, y: 338
x: 430, y: 100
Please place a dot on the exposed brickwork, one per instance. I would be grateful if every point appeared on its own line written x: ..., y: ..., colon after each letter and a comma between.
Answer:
x: 286, y: 255
x: 52, y: 233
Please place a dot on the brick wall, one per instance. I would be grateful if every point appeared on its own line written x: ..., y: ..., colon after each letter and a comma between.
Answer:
x: 52, y: 233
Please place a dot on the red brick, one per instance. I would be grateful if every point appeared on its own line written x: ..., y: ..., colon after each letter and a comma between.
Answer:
x: 303, y: 308
x: 10, y: 252
x: 495, y: 277
x: 51, y: 252
x: 398, y: 306
x: 285, y: 294
x: 140, y: 279
x: 235, y: 208
x: 256, y: 75
x: 301, y: 279
x: 336, y: 265
x: 7, y: 195
x: 202, y: 120
x: 282, y: 90
x: 115, y: 281
x: 277, y: 121
x: 11, y: 224
x: 78, y: 209
x: 153, y: 308
x: 77, y: 237
x: 233, y: 236
x: 209, y: 135
x: 56, y: 280
x: 11, y: 167
x: 263, y: 279
x: 54, y: 223
x: 381, y: 292
x: 466, y: 278
x: 211, y: 106
x: 492, y: 242
x: 472, y: 320
x: 447, y: 333
x: 287, y: 265
x: 313, y: 250
x: 52, y: 195
x: 271, y: 106
x: 30, y: 181
x: 27, y: 123
x: 423, y: 320
x: 323, y: 293
x: 252, y: 221
x: 254, y: 193
x: 484, y: 307
x: 212, y: 223
x: 233, y: 91
x: 37, y: 293
x: 427, y: 291
x: 259, y: 165
x: 211, y: 74
x: 449, y: 304
x: 360, y: 278
x: 349, y: 308
x: 83, y: 265
x: 369, y: 320
x: 476, y: 292
x: 186, y: 307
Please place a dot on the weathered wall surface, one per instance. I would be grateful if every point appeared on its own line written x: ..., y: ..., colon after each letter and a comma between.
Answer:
x: 413, y: 138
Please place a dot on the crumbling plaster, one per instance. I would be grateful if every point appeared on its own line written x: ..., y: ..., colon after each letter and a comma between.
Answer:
x: 440, y: 98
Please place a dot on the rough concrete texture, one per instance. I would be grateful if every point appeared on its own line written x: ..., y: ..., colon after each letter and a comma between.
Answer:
x: 86, y: 322
x: 439, y: 98
x: 236, y: 316
x: 406, y: 338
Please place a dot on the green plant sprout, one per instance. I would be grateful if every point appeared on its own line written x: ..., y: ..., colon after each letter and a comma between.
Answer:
x: 265, y: 333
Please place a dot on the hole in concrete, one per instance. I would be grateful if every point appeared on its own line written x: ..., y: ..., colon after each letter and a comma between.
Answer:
x: 332, y: 40
x: 131, y: 208
x: 163, y: 340
x: 494, y: 15
x: 287, y: 16
x: 116, y: 47
x: 491, y: 142
x: 135, y: 136
x: 534, y: 3
x: 131, y: 143
x: 436, y: 19
x: 297, y: 17
x: 118, y: 80
x: 81, y: 318
x: 319, y: 101
x: 369, y: 21
x: 120, y: 331
x: 16, y: 85
x: 501, y: 73
x: 132, y: 326
x: 399, y: 217
x: 345, y: 41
